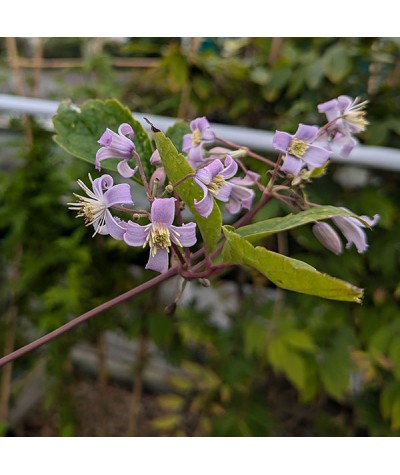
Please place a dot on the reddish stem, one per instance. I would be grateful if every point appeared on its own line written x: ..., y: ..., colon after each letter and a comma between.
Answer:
x: 86, y: 316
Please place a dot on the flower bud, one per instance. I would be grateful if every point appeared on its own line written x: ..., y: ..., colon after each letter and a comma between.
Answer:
x: 157, y: 178
x: 155, y: 159
x: 204, y: 282
x: 170, y: 309
x: 328, y: 237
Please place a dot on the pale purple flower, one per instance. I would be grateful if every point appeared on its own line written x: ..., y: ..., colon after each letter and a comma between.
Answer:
x: 345, y: 117
x: 241, y: 196
x: 94, y: 207
x: 159, y: 176
x: 118, y: 146
x: 328, y: 237
x: 299, y: 149
x: 193, y: 143
x: 211, y: 179
x: 160, y: 234
x: 353, y: 230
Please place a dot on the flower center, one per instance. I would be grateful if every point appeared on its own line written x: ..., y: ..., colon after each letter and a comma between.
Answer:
x: 158, y: 238
x: 87, y: 208
x: 215, y: 184
x: 298, y: 148
x: 196, y: 137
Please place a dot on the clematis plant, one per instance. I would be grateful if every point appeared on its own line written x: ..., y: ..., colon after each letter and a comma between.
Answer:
x: 202, y: 190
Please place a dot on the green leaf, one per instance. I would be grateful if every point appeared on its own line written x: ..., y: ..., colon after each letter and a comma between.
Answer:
x: 177, y: 167
x: 314, y: 74
x: 390, y: 404
x: 282, y: 357
x: 288, y: 273
x: 336, y: 63
x: 171, y: 402
x: 299, y: 340
x: 335, y: 363
x: 259, y: 230
x: 166, y: 422
x: 78, y: 130
x: 176, y: 133
x: 278, y: 80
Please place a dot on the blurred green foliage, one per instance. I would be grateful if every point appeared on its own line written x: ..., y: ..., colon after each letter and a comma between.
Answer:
x: 293, y: 365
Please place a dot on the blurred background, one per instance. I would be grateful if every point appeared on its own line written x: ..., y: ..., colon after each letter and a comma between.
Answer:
x: 240, y: 358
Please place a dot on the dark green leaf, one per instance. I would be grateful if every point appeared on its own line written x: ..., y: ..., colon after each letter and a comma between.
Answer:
x: 176, y: 133
x: 78, y: 130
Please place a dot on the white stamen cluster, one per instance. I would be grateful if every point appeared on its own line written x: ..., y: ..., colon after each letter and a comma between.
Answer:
x: 355, y: 114
x: 89, y: 207
x: 159, y: 237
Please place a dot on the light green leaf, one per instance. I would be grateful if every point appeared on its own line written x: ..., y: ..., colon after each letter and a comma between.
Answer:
x: 288, y: 273
x: 177, y: 167
x: 259, y: 230
x: 78, y: 130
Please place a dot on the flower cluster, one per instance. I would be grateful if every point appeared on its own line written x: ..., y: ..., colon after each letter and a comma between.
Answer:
x: 312, y: 146
x: 215, y: 173
x: 103, y: 196
x: 215, y: 176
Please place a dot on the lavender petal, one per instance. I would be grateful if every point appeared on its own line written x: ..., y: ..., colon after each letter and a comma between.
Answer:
x: 184, y: 235
x: 135, y: 235
x: 292, y: 165
x: 158, y: 262
x: 281, y: 141
x: 118, y: 194
x: 163, y: 210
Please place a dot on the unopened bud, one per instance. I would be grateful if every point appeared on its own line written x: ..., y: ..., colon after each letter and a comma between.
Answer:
x: 328, y: 237
x: 204, y: 282
x: 157, y: 179
x: 170, y: 309
x: 155, y: 159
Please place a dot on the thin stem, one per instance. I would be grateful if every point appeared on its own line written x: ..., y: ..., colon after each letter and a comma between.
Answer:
x: 179, y: 218
x: 143, y: 177
x: 245, y: 169
x: 246, y: 219
x: 131, y: 211
x: 250, y: 153
x: 87, y: 315
x: 178, y: 254
x: 190, y: 175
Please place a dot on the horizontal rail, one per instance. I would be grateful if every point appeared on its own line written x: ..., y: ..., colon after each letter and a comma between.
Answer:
x: 67, y: 63
x: 366, y: 156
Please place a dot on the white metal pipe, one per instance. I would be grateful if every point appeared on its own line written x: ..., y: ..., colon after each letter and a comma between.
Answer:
x: 363, y: 155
